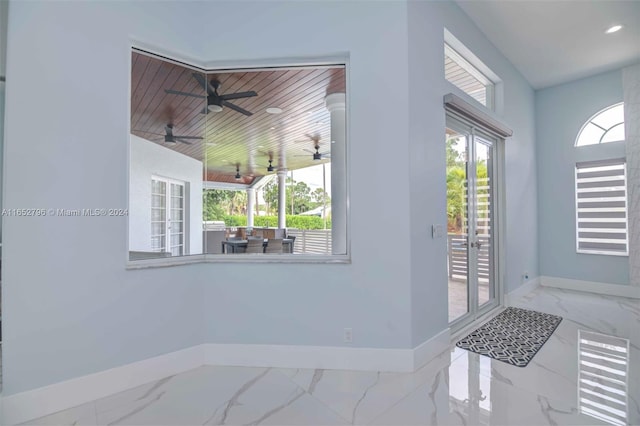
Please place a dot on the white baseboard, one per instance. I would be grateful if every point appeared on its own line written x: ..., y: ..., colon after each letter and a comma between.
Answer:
x: 523, y: 290
x: 24, y: 406
x: 592, y: 287
x: 428, y: 350
x: 312, y: 357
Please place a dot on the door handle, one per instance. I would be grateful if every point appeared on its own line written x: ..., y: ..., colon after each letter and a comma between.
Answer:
x: 477, y: 245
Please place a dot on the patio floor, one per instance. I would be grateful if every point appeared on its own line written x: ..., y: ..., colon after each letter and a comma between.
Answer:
x: 458, y: 297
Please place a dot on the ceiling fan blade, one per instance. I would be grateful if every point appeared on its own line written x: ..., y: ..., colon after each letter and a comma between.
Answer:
x: 182, y: 140
x: 176, y: 92
x: 236, y: 108
x: 315, y: 138
x: 148, y: 133
x: 308, y: 150
x: 188, y: 137
x: 238, y: 95
x: 201, y: 81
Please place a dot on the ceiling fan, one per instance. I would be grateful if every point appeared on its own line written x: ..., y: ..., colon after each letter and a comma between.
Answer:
x: 215, y: 101
x: 170, y: 138
x: 270, y: 167
x: 317, y: 155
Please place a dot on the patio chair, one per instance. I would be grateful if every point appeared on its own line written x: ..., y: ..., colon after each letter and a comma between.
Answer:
x: 255, y: 245
x: 274, y: 245
x: 293, y: 240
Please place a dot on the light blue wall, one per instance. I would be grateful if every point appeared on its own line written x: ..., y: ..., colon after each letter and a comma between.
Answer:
x: 312, y: 304
x: 4, y: 8
x: 70, y: 307
x: 560, y: 113
x: 515, y: 105
x: 2, y: 100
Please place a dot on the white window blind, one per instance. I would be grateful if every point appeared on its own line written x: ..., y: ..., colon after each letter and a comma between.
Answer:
x: 601, y: 207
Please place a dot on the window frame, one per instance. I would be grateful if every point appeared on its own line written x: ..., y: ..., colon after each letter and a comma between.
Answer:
x: 595, y: 116
x: 593, y: 164
x: 475, y: 72
x: 252, y: 65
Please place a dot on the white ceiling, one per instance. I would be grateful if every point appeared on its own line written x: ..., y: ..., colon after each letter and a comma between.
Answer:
x: 552, y: 42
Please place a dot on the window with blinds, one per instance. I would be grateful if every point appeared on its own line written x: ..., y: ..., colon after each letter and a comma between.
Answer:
x: 601, y: 207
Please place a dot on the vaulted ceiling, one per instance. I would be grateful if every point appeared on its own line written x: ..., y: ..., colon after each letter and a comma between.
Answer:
x: 231, y: 139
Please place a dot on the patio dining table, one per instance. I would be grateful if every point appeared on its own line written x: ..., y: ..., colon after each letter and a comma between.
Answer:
x: 236, y: 246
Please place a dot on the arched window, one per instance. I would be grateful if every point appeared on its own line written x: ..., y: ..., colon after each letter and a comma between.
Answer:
x: 605, y: 126
x: 601, y: 189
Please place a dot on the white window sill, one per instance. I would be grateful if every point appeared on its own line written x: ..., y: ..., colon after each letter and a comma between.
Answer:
x: 237, y: 258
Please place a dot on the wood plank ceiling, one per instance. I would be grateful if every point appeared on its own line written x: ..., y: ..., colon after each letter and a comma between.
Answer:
x: 231, y: 139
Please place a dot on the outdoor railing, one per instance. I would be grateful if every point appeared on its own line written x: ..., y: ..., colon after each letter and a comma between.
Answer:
x: 457, y: 256
x: 317, y: 241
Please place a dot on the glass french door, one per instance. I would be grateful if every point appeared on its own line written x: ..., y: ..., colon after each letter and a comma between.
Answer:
x: 471, y: 248
x: 167, y: 216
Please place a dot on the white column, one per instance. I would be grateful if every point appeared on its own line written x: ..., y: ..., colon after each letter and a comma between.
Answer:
x: 282, y: 198
x: 251, y: 198
x: 336, y: 103
x: 631, y: 88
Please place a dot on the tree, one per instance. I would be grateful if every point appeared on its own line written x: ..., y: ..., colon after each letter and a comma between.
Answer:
x: 300, y: 191
x: 319, y: 197
x: 214, y: 204
x: 238, y: 202
x: 270, y: 195
x: 455, y: 158
x: 456, y: 196
x: 218, y: 203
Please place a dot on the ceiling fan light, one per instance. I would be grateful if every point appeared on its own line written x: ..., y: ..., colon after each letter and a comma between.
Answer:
x: 215, y: 108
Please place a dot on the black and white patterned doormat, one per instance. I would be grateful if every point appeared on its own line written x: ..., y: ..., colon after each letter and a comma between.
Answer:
x: 514, y: 336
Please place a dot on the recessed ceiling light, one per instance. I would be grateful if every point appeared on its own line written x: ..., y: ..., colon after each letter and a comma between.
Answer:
x: 260, y: 146
x: 225, y: 161
x: 274, y: 110
x: 614, y: 29
x: 273, y: 128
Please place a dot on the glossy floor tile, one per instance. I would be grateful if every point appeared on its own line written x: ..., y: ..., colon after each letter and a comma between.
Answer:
x: 587, y: 373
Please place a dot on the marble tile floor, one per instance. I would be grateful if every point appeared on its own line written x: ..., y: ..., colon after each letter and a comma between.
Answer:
x: 455, y: 388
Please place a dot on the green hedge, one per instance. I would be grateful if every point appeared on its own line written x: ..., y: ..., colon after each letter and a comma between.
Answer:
x: 293, y: 221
